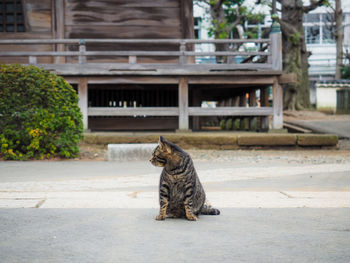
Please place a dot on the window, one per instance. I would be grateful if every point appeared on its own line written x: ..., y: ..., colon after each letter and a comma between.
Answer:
x: 313, y: 34
x: 11, y: 16
x: 197, y: 27
x: 328, y: 35
x: 319, y: 28
x: 328, y: 18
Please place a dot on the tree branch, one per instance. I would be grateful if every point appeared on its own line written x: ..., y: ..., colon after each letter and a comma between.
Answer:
x: 313, y: 5
x: 201, y: 3
x: 237, y: 20
x: 217, y: 5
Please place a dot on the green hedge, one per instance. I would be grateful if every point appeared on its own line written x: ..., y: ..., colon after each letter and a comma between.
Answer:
x: 39, y: 114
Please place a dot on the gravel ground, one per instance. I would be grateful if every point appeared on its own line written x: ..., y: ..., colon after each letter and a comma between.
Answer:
x: 311, y: 156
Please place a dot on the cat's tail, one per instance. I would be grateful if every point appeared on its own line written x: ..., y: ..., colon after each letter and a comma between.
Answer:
x: 209, y: 210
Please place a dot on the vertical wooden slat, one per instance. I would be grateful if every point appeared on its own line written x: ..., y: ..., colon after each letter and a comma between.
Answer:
x: 83, y: 100
x: 183, y: 104
x: 264, y: 102
x: 277, y: 122
x: 196, y: 102
x: 252, y: 103
x: 242, y: 103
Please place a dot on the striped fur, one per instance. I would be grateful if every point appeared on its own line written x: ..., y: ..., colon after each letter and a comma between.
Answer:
x: 180, y: 192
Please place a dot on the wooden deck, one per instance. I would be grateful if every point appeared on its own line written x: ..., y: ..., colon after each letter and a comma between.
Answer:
x: 84, y: 67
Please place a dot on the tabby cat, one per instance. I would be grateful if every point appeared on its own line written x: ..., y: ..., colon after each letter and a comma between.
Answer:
x: 180, y: 192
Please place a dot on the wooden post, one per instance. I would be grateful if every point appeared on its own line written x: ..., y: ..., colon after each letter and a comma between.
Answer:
x: 182, y: 58
x: 59, y: 30
x: 82, y: 49
x: 183, y: 104
x: 276, y: 46
x: 83, y: 100
x: 32, y: 60
x: 277, y: 122
x: 264, y: 102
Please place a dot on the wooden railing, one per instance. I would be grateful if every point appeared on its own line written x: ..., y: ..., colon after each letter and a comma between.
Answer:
x: 272, y: 53
x: 182, y: 63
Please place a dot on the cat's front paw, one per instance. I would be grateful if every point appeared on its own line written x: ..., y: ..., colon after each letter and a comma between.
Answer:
x: 191, y: 218
x: 160, y: 217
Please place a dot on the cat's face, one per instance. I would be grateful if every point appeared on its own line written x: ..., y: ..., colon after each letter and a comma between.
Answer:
x: 162, y: 153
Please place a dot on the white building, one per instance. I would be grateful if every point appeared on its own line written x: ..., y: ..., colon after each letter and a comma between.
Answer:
x: 319, y: 39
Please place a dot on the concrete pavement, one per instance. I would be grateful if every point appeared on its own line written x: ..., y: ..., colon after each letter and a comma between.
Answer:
x: 333, y: 124
x: 274, y: 208
x: 132, y: 235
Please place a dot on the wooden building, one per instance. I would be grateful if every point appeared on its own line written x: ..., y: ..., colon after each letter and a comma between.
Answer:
x: 133, y: 63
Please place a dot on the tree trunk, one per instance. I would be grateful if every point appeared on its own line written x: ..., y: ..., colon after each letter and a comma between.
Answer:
x: 295, y: 55
x: 339, y: 38
x: 218, y: 16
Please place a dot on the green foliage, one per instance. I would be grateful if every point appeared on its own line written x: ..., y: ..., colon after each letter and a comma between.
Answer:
x: 295, y: 38
x: 346, y: 72
x: 236, y: 124
x: 222, y: 124
x: 346, y: 67
x: 224, y: 18
x: 229, y: 124
x: 39, y: 114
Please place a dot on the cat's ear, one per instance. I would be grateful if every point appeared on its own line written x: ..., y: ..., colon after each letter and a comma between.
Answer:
x: 161, y: 142
x: 164, y: 145
x: 161, y: 139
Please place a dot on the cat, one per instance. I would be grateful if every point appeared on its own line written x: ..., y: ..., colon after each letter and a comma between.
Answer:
x: 180, y: 192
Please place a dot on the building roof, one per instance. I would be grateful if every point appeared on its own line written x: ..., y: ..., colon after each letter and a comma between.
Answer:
x: 336, y: 83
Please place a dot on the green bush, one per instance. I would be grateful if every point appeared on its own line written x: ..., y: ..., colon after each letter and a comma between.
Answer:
x: 39, y: 114
x: 222, y: 124
x: 229, y: 124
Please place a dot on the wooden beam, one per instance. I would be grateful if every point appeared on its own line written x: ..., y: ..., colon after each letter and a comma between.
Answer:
x: 213, y: 73
x: 83, y: 100
x: 182, y: 52
x: 288, y: 78
x: 72, y: 80
x: 44, y: 39
x: 230, y: 111
x: 258, y: 80
x: 174, y: 111
x: 277, y: 122
x: 133, y: 80
x: 183, y: 104
x: 144, y: 111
